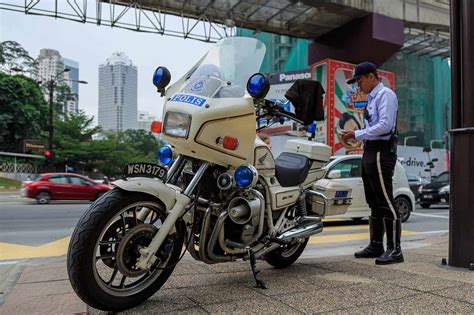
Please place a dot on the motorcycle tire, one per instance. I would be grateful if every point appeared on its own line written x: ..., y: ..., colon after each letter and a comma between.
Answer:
x: 82, y: 260
x: 284, y: 257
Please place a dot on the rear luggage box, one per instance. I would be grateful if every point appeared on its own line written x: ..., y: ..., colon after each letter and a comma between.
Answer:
x: 329, y: 198
x: 313, y: 150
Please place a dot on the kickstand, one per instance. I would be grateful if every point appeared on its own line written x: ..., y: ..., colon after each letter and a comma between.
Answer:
x: 258, y: 283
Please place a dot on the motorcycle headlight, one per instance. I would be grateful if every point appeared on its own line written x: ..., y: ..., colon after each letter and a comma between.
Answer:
x: 245, y: 176
x: 444, y: 189
x: 177, y: 124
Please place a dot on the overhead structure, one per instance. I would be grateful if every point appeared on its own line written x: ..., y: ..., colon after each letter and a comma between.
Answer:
x: 210, y: 20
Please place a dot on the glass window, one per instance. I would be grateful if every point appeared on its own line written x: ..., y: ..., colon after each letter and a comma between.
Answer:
x: 349, y: 168
x: 77, y: 180
x: 58, y: 179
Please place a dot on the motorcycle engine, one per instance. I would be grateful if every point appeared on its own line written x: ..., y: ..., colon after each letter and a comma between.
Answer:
x: 244, y: 216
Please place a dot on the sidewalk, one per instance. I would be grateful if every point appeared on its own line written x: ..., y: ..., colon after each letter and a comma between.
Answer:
x: 313, y: 285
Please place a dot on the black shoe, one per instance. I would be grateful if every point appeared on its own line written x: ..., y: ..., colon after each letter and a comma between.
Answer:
x: 393, y: 254
x: 375, y: 247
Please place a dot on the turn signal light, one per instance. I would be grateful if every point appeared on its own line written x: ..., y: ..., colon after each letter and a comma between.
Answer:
x: 230, y: 143
x: 155, y: 126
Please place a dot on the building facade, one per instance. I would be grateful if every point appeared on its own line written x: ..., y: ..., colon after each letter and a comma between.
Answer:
x: 145, y: 119
x: 117, y: 94
x: 72, y: 77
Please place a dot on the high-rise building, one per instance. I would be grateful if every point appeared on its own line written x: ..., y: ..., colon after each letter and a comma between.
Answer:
x: 50, y: 64
x: 117, y: 94
x: 145, y: 119
x: 72, y: 77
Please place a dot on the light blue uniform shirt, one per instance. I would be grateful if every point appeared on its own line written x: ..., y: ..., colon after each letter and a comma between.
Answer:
x: 382, y: 107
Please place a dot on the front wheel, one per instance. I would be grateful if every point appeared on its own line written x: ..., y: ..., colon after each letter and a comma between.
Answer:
x: 104, y: 250
x: 286, y: 255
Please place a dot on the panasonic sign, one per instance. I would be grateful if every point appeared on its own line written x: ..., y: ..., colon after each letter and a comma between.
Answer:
x: 293, y: 77
x: 289, y: 77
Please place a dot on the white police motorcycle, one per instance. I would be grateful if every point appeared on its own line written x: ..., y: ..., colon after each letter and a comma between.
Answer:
x: 223, y: 197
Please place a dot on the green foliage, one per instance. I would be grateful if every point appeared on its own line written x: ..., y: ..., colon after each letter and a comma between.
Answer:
x: 13, y: 57
x: 9, y: 183
x: 23, y: 111
x: 74, y: 146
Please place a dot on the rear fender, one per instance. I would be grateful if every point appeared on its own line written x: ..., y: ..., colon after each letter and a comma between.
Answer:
x: 150, y: 186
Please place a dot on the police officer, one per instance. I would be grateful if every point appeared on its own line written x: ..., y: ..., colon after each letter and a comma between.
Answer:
x: 378, y: 164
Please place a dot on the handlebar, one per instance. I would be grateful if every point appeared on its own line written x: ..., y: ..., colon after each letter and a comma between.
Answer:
x: 271, y: 108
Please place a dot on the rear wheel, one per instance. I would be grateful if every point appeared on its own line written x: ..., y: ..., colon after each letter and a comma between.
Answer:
x: 425, y: 205
x: 286, y: 255
x: 43, y: 197
x: 104, y: 251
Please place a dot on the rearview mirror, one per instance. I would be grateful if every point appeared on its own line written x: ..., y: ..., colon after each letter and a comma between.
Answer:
x: 334, y: 174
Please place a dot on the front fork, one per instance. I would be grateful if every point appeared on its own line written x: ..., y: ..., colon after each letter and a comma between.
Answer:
x: 147, y: 254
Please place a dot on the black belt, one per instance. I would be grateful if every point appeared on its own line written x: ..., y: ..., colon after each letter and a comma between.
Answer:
x: 380, y: 145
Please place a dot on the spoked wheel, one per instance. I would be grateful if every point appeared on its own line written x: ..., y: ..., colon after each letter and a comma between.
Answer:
x: 104, y: 251
x: 286, y: 255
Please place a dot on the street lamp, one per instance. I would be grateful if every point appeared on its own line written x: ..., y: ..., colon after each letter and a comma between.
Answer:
x: 407, y: 138
x: 51, y: 85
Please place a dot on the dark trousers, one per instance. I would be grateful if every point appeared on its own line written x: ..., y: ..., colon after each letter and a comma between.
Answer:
x: 378, y: 165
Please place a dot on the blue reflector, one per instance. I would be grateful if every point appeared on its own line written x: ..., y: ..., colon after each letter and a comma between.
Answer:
x: 165, y: 155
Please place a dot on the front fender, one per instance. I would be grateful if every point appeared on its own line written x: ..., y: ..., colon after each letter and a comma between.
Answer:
x: 150, y: 186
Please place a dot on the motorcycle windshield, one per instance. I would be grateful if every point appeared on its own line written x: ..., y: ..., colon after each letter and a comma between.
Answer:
x: 223, y: 72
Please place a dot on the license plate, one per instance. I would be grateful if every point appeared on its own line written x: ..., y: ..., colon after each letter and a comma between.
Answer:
x: 428, y: 196
x: 341, y: 194
x: 144, y: 170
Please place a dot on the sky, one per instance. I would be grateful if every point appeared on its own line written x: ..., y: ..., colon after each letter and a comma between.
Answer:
x: 91, y: 45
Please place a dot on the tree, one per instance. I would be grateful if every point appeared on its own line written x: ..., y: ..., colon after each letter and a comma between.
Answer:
x: 23, y: 111
x: 14, y: 56
x: 63, y: 95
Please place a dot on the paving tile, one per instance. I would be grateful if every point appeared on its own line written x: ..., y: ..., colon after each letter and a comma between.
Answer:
x: 344, y: 297
x: 163, y: 301
x: 463, y: 293
x: 67, y: 303
x: 262, y: 305
x: 184, y: 281
x: 220, y: 293
x: 31, y: 274
x: 417, y: 304
x: 42, y: 288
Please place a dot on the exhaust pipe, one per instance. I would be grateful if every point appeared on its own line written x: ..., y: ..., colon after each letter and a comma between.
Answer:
x: 301, y: 231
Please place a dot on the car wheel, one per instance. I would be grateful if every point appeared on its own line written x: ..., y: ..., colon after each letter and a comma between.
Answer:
x: 404, y: 208
x: 425, y: 205
x: 43, y: 197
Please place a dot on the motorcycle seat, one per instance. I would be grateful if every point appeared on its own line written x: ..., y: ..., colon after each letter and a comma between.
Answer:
x: 291, y: 169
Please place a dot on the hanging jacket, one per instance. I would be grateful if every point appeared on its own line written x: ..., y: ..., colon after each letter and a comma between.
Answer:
x: 307, y: 98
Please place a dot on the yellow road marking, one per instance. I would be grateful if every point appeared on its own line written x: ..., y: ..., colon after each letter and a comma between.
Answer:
x: 345, y: 228
x: 337, y: 238
x: 14, y: 251
x: 58, y: 248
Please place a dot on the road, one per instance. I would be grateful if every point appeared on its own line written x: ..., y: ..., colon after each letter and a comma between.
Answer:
x: 29, y: 230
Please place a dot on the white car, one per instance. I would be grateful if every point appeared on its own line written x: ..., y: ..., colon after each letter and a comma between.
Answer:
x: 346, y: 169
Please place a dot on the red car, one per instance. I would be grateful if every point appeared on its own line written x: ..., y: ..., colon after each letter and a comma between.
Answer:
x: 62, y: 186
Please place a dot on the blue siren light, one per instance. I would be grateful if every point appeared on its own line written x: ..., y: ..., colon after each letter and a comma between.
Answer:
x: 258, y: 85
x: 157, y: 76
x: 165, y: 155
x: 161, y: 77
x: 245, y: 176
